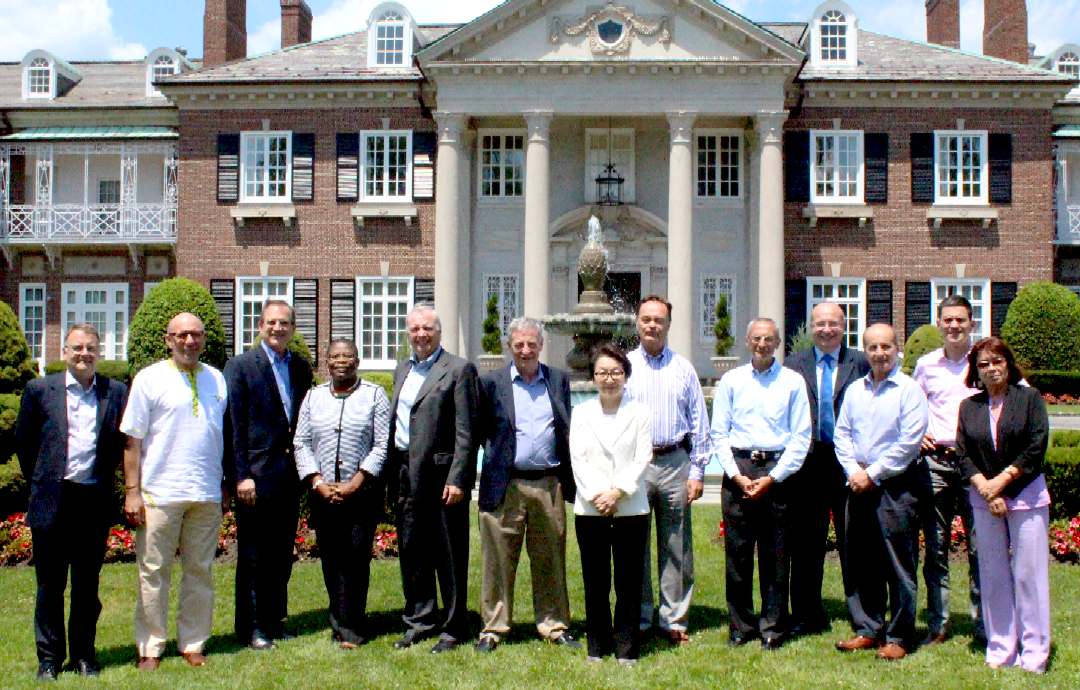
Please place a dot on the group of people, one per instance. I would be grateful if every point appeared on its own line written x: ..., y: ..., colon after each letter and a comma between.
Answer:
x: 830, y: 432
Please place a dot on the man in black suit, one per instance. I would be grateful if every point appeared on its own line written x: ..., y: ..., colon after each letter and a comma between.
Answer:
x: 525, y: 426
x: 267, y: 385
x: 69, y: 445
x: 433, y: 455
x: 820, y: 487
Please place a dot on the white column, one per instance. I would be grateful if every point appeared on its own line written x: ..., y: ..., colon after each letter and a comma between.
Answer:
x: 536, y: 276
x: 448, y: 278
x: 770, y: 256
x: 680, y: 259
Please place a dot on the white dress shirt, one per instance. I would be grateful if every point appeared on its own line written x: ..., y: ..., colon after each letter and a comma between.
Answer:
x: 82, y: 410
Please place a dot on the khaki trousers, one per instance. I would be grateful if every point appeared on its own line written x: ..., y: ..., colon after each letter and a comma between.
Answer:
x: 533, y: 511
x: 192, y: 528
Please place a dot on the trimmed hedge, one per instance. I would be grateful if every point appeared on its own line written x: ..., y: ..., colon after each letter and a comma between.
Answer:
x: 1043, y: 327
x: 9, y: 414
x: 115, y: 369
x: 1062, y: 469
x: 16, y: 367
x: 382, y: 378
x: 1055, y: 382
x: 14, y: 493
x: 926, y: 338
x: 1065, y: 438
x: 146, y: 335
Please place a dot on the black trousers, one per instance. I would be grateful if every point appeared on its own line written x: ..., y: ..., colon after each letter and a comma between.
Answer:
x: 815, y: 491
x: 265, y: 537
x: 883, y: 557
x: 605, y: 542
x: 748, y: 524
x: 345, y: 534
x: 76, y: 541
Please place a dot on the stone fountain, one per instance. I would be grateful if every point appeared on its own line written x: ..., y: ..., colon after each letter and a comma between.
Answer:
x: 593, y: 321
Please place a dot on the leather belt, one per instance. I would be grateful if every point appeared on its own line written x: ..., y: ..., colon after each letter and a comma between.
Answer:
x: 671, y: 448
x: 943, y: 452
x: 757, y: 456
x: 533, y: 474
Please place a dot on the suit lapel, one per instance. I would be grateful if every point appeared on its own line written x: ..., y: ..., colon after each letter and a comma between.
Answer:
x: 57, y: 406
x: 622, y: 420
x: 810, y: 371
x: 438, y: 370
x: 101, y: 392
x: 505, y: 386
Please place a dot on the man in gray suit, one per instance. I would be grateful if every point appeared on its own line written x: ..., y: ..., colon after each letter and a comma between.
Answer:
x: 432, y: 445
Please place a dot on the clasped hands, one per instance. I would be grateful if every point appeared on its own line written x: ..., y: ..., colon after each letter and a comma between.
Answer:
x: 754, y: 488
x: 607, y: 501
x: 990, y: 490
x: 335, y: 493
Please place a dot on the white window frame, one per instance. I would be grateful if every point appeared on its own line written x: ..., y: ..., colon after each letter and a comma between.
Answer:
x: 984, y: 168
x: 850, y: 26
x: 113, y: 342
x: 400, y: 19
x: 860, y: 175
x: 502, y: 135
x: 384, y: 362
x: 627, y: 172
x: 497, y: 283
x: 247, y: 140
x: 148, y: 286
x: 707, y: 305
x: 114, y: 184
x: 385, y: 134
x: 852, y: 332
x: 240, y: 342
x: 1068, y: 63
x: 28, y: 78
x: 159, y: 62
x: 980, y: 307
x: 740, y: 177
x: 27, y: 302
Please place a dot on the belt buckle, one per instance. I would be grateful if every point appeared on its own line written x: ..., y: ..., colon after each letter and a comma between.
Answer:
x: 758, y: 456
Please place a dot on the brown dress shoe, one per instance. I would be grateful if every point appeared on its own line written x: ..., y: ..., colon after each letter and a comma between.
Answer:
x: 679, y: 638
x: 933, y: 639
x: 148, y: 663
x: 856, y: 643
x: 891, y: 652
x: 195, y: 659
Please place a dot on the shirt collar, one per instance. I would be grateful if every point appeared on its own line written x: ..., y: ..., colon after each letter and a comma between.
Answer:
x: 661, y: 358
x: 773, y: 368
x: 819, y: 355
x: 515, y: 375
x: 891, y: 378
x: 275, y: 358
x: 70, y: 381
x: 430, y: 360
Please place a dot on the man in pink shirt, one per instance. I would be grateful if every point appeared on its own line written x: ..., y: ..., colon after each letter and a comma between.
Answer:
x: 942, y: 374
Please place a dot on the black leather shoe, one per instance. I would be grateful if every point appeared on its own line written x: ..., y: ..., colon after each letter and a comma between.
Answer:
x: 566, y: 640
x: 408, y: 640
x: 772, y: 643
x: 86, y: 667
x: 804, y: 629
x: 444, y: 645
x: 47, y: 672
x: 737, y: 640
x: 284, y: 636
x: 260, y: 643
x: 487, y: 643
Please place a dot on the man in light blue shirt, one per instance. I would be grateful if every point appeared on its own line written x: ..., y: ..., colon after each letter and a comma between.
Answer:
x: 760, y: 436
x: 878, y: 433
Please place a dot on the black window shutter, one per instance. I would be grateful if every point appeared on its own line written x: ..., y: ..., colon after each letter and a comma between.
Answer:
x: 343, y: 308
x: 797, y: 166
x: 348, y: 166
x: 424, y: 291
x: 1000, y: 154
x: 876, y: 160
x: 303, y: 167
x: 922, y: 167
x: 224, y: 294
x: 423, y: 150
x: 916, y: 307
x: 228, y: 167
x: 878, y: 302
x: 306, y: 310
x: 794, y: 308
x: 1001, y: 296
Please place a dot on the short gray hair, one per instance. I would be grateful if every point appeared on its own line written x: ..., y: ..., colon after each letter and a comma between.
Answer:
x: 762, y: 319
x: 425, y: 308
x: 524, y: 323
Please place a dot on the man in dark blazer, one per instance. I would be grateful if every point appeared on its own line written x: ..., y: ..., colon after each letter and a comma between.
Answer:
x: 266, y: 388
x: 526, y: 476
x: 820, y: 487
x: 69, y: 445
x: 433, y: 456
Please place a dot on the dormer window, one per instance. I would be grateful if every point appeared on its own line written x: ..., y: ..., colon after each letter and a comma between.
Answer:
x: 164, y: 66
x: 39, y: 79
x: 834, y: 35
x: 1069, y: 63
x: 390, y: 36
x: 162, y: 63
x: 46, y: 76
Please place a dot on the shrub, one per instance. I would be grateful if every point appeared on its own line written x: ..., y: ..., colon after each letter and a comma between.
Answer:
x: 297, y: 346
x: 9, y: 414
x: 1043, y: 327
x: 800, y: 340
x: 492, y: 340
x: 925, y: 339
x: 1057, y: 383
x: 16, y: 366
x: 146, y: 335
x: 382, y: 378
x: 722, y: 327
x: 1065, y: 438
x: 1062, y: 470
x: 14, y: 492
x: 116, y: 369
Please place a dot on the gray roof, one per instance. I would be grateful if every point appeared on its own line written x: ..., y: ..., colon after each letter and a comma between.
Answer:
x: 884, y: 58
x: 792, y: 32
x: 341, y: 58
x: 103, y: 85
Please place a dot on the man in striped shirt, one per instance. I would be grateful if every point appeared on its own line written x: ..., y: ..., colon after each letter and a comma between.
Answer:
x: 668, y: 384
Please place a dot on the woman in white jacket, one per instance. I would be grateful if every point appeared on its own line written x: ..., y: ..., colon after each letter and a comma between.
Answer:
x: 610, y: 446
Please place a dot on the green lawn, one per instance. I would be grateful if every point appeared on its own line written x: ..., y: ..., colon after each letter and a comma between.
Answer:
x: 1069, y: 410
x: 311, y: 661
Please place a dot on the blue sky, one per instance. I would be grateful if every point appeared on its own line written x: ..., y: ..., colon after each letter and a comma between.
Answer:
x: 104, y: 29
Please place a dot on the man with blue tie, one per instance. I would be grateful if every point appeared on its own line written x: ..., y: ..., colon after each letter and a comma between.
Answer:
x: 819, y: 489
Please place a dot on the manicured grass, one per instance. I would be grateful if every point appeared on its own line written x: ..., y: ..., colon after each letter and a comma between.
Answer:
x: 311, y: 661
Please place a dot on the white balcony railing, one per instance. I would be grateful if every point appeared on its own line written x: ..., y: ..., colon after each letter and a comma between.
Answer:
x: 1074, y: 221
x: 93, y: 224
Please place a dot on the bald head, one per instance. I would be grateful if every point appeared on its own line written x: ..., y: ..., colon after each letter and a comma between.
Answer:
x: 882, y: 349
x: 827, y: 326
x: 186, y: 339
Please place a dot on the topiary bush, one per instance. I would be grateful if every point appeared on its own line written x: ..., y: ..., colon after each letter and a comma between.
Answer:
x: 14, y: 492
x: 1043, y: 327
x: 116, y: 369
x: 492, y: 339
x: 16, y: 366
x: 722, y: 327
x: 9, y: 413
x: 1062, y: 470
x: 146, y: 335
x: 925, y: 339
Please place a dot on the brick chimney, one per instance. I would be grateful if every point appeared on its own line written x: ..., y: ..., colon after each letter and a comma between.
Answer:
x: 1005, y: 30
x: 224, y: 31
x: 943, y: 22
x: 295, y: 22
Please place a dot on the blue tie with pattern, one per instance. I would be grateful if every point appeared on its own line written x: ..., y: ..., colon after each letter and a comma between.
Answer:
x: 825, y: 400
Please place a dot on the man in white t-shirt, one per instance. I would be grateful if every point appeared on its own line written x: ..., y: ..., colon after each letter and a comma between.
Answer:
x: 173, y: 476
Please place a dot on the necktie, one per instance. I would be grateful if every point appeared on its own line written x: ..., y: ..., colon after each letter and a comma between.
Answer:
x: 825, y: 400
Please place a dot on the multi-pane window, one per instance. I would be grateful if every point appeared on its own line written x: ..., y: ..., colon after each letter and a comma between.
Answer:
x: 960, y: 170
x: 849, y: 294
x: 976, y: 291
x: 164, y: 66
x: 712, y: 286
x: 1069, y: 63
x: 390, y: 40
x: 609, y: 145
x: 505, y: 289
x: 251, y: 295
x: 386, y: 164
x: 718, y: 169
x: 108, y: 192
x: 833, y: 37
x: 837, y: 170
x: 383, y: 307
x: 39, y: 77
x: 105, y: 305
x: 32, y: 320
x: 502, y: 165
x: 266, y: 161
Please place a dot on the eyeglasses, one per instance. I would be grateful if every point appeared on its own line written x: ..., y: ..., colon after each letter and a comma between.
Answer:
x: 987, y: 363
x: 609, y: 374
x: 184, y: 335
